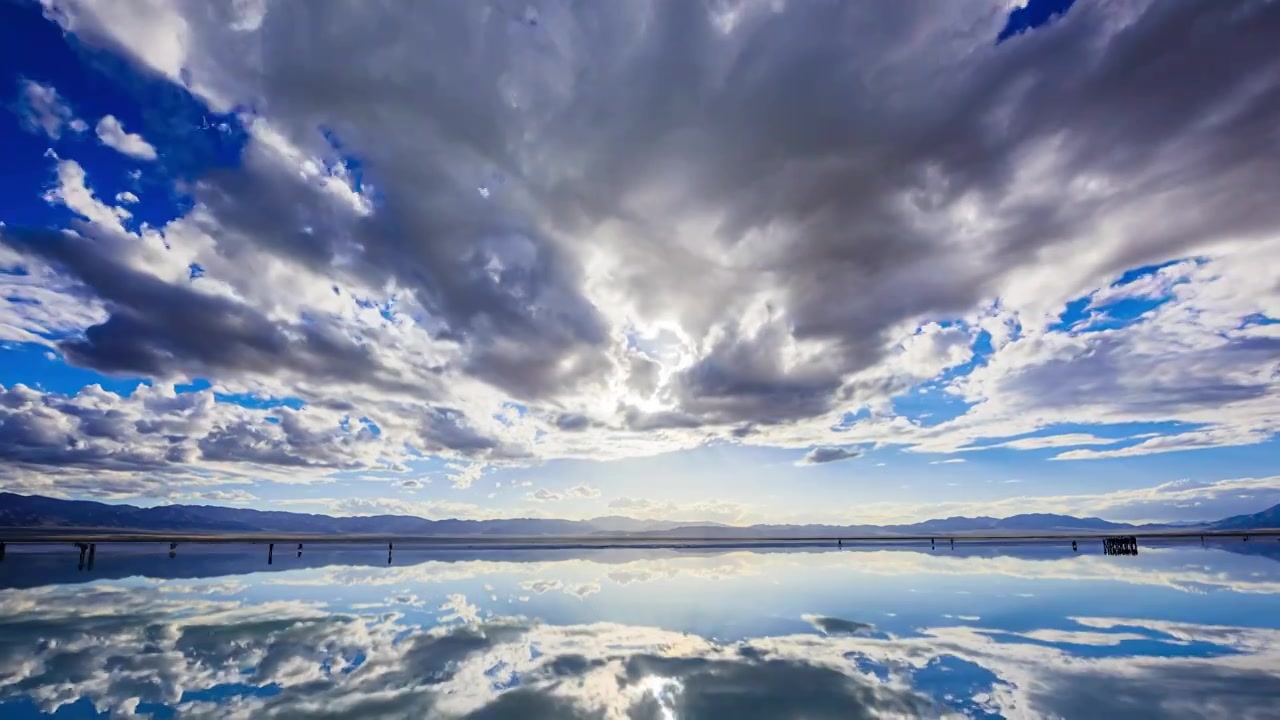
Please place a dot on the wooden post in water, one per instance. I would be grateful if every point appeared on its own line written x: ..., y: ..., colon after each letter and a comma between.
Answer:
x: 271, y: 549
x: 83, y: 549
x: 93, y: 551
x: 1073, y: 546
x: 1, y: 551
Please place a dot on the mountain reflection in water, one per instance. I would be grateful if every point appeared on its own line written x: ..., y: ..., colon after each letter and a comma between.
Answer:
x: 981, y: 631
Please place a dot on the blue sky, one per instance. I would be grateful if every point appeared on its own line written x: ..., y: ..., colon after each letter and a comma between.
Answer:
x: 855, y: 265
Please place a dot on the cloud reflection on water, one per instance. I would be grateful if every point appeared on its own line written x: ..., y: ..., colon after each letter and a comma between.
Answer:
x: 222, y: 648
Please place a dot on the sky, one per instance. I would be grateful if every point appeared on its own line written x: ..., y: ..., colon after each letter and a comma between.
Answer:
x: 735, y: 260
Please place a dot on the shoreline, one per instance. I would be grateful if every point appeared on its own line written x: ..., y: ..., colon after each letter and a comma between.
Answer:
x: 32, y: 536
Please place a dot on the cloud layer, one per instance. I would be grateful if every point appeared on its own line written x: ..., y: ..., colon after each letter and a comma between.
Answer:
x: 499, y: 236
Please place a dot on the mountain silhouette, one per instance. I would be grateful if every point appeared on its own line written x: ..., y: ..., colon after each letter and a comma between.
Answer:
x: 1269, y: 518
x: 35, y: 513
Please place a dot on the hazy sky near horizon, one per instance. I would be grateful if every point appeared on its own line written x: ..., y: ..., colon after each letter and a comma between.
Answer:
x: 732, y: 260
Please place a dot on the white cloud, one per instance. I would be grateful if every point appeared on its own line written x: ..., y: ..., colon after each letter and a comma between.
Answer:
x: 113, y: 135
x: 429, y: 509
x: 702, y: 511
x: 542, y: 586
x: 545, y: 495
x: 72, y: 192
x: 234, y: 497
x: 580, y: 491
x: 126, y: 197
x: 42, y: 109
x: 1050, y: 441
x: 458, y: 609
x: 463, y: 475
x: 629, y: 503
x: 934, y: 348
x: 584, y: 589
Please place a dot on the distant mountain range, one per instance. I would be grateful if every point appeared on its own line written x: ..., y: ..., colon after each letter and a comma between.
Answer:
x: 35, y: 513
x: 1269, y: 518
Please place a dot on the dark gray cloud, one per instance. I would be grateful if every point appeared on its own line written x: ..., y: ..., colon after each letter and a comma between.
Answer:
x: 748, y: 380
x: 153, y: 441
x: 1202, y: 691
x: 783, y: 191
x: 852, y: 143
x: 159, y: 329
x: 572, y: 422
x: 820, y: 455
x: 772, y: 688
x: 154, y: 434
x: 839, y: 626
x: 1110, y: 375
x: 89, y: 431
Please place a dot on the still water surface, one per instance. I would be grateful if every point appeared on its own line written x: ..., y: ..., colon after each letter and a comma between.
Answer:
x: 985, y: 631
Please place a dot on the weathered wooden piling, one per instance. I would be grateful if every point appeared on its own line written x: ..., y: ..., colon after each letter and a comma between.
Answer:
x: 93, y: 552
x: 1073, y: 546
x: 1, y: 551
x: 271, y: 549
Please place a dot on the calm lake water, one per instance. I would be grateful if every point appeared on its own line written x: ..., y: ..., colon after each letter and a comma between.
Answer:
x: 1029, y: 630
